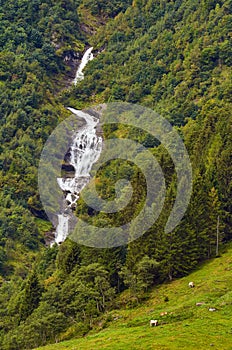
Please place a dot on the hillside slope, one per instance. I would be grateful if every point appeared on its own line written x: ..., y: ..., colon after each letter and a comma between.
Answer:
x: 186, y: 326
x: 171, y: 56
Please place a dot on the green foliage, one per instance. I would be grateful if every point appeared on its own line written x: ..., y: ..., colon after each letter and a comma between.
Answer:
x: 171, y: 56
x: 31, y: 296
x: 105, y: 7
x: 43, y: 325
x: 3, y: 259
x: 145, y: 274
x: 68, y: 256
x: 31, y: 33
x: 167, y: 56
x: 184, y: 326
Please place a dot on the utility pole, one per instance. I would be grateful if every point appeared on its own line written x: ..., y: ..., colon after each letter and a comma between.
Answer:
x: 217, y: 244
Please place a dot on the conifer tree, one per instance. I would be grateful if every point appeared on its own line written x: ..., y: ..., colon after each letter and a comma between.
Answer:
x: 32, y: 296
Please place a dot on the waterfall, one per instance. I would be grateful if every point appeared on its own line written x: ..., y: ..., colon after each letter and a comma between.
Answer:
x: 88, y: 56
x: 62, y: 228
x: 84, y: 151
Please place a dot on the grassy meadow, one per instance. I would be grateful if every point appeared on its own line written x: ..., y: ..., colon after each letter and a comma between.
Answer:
x: 185, y: 326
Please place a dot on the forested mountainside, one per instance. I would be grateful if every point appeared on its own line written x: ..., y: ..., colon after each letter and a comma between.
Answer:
x: 171, y: 56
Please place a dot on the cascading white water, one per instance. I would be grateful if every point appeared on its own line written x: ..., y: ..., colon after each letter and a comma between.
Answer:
x: 84, y: 152
x: 62, y: 228
x: 88, y: 56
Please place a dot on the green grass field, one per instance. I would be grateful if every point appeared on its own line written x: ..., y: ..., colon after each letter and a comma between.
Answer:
x: 186, y: 326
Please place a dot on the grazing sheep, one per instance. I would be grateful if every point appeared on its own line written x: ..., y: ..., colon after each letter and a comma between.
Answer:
x: 200, y: 303
x: 191, y: 284
x: 163, y: 313
x: 212, y: 309
x: 153, y: 323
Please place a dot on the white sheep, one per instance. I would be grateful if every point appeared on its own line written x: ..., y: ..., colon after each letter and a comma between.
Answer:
x: 191, y: 284
x: 153, y: 323
x: 212, y: 309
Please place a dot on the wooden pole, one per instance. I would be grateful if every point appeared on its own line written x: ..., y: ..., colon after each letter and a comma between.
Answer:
x: 217, y: 236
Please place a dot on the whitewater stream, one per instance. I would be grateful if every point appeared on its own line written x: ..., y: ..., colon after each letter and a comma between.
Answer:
x: 88, y: 56
x: 84, y: 151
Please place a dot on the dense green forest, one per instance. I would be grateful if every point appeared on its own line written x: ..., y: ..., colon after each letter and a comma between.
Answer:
x: 172, y: 56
